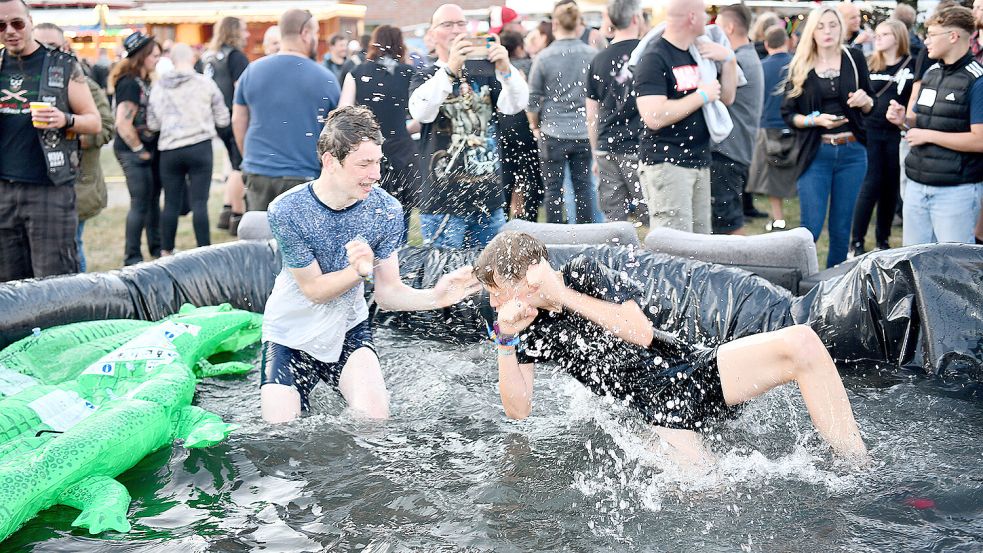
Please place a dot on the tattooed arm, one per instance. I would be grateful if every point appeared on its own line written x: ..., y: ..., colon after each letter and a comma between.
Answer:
x: 81, y: 104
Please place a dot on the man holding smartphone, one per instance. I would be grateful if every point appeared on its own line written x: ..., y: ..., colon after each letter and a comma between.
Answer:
x: 462, y: 193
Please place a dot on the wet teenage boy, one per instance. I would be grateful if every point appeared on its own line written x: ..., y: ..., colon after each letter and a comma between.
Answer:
x: 589, y: 320
x: 333, y: 233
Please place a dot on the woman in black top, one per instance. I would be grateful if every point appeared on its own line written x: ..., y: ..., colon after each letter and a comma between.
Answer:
x: 382, y: 84
x: 135, y: 144
x: 826, y: 96
x: 891, y: 75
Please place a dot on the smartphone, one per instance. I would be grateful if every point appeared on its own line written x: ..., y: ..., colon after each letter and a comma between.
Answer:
x: 479, y: 46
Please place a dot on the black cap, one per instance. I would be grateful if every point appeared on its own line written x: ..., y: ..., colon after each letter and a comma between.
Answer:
x: 135, y: 42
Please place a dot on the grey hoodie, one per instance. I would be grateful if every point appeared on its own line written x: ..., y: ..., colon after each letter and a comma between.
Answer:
x: 186, y: 107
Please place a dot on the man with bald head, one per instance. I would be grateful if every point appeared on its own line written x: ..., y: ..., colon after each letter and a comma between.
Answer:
x: 675, y: 146
x: 458, y: 104
x: 854, y: 35
x: 280, y: 105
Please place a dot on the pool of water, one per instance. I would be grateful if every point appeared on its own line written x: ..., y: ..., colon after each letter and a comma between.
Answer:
x: 450, y: 473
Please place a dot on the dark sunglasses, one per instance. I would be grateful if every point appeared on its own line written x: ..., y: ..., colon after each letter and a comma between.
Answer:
x: 17, y: 24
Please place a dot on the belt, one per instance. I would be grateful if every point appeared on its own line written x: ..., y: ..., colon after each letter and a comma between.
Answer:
x: 838, y: 140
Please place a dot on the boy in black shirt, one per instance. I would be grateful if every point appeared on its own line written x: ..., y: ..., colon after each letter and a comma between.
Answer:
x: 589, y: 320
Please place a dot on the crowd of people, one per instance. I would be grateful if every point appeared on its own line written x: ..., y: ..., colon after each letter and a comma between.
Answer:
x: 675, y: 126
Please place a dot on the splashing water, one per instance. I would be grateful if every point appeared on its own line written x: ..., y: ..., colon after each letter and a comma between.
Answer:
x: 450, y: 472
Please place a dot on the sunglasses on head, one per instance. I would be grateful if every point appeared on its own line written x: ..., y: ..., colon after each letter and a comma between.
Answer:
x: 17, y: 24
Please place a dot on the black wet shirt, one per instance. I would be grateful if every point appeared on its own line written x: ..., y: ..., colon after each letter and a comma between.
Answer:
x: 658, y: 381
x: 21, y: 155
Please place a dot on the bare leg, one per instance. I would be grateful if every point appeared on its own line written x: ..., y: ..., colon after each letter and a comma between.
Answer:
x: 362, y: 385
x: 235, y: 193
x: 776, y: 207
x: 753, y: 365
x: 686, y: 449
x: 279, y: 403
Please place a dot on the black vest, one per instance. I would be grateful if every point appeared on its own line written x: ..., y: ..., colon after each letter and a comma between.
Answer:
x: 60, y: 146
x: 943, y: 105
x: 216, y: 67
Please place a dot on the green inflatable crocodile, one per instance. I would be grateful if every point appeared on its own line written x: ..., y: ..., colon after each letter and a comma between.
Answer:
x: 82, y: 403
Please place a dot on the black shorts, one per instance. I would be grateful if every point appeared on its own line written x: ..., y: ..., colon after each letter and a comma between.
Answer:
x: 229, y: 139
x: 727, y: 179
x: 685, y: 395
x: 291, y: 367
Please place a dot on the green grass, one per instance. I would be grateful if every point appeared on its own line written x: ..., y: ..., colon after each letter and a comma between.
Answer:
x: 104, y: 234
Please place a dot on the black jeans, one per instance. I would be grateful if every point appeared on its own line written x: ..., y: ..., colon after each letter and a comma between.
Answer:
x: 184, y: 168
x: 555, y: 153
x: 144, y: 211
x: 880, y: 187
x: 37, y: 230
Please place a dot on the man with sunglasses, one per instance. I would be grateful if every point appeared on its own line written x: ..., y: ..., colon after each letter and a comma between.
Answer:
x: 280, y: 105
x: 39, y: 149
x: 945, y: 132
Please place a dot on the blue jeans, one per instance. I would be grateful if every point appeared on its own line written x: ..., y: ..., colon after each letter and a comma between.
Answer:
x: 78, y: 244
x: 940, y: 213
x: 460, y: 231
x: 832, y: 181
x: 570, y: 205
x: 558, y: 155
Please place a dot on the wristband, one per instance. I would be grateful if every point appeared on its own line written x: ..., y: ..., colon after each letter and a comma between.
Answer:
x: 501, y: 339
x: 138, y: 150
x: 706, y: 97
x: 729, y: 57
x: 505, y: 76
x: 69, y: 121
x: 506, y: 352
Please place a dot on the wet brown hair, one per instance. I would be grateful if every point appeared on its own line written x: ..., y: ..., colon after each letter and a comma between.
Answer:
x: 508, y: 256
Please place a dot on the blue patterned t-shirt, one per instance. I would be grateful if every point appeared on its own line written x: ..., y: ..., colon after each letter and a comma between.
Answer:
x: 307, y: 230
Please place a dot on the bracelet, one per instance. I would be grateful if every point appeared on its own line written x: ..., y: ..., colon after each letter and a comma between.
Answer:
x: 450, y: 73
x: 69, y: 121
x: 138, y: 150
x: 505, y: 76
x: 706, y: 97
x: 505, y: 351
x: 501, y: 339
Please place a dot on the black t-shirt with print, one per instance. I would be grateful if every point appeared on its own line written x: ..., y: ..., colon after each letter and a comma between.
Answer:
x: 610, y: 84
x: 901, y: 77
x: 644, y: 378
x: 21, y: 155
x: 459, y: 149
x: 665, y: 70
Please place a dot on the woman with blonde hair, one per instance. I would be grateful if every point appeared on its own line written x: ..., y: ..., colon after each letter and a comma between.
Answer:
x: 827, y: 94
x: 891, y: 75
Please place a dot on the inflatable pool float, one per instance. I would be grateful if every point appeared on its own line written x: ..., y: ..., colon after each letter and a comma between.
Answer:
x: 82, y: 403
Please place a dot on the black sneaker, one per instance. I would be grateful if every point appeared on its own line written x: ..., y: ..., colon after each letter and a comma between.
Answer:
x: 223, y: 217
x: 856, y: 250
x: 755, y: 213
x: 883, y: 246
x: 234, y: 219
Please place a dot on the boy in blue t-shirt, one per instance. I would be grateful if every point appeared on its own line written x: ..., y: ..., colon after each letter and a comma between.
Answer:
x: 333, y: 233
